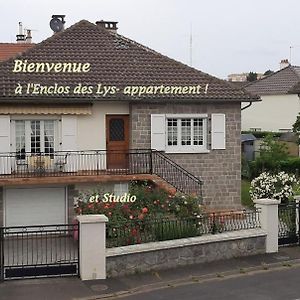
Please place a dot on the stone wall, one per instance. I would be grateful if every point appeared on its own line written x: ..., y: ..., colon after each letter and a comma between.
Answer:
x: 170, y: 254
x: 220, y: 170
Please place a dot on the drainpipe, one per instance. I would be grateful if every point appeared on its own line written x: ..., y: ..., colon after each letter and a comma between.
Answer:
x: 248, y: 105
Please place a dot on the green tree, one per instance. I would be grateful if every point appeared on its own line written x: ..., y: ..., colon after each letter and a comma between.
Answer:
x: 272, y: 152
x: 252, y: 76
x: 268, y: 72
x: 296, y: 126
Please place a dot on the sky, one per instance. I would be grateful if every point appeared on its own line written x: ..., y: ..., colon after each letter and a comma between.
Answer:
x: 231, y: 36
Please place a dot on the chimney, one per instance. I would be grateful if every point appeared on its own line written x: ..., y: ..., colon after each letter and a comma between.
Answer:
x: 284, y: 63
x: 28, y: 36
x: 109, y: 25
x: 21, y: 35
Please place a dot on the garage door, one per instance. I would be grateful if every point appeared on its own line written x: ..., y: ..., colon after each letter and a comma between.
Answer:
x: 35, y: 206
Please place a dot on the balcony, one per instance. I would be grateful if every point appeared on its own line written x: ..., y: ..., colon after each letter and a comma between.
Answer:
x: 94, y: 166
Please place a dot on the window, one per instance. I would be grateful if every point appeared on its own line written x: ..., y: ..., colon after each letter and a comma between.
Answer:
x: 255, y: 129
x: 186, y: 134
x: 34, y: 136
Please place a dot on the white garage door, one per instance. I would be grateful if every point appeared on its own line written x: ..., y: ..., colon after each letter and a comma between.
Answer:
x: 35, y: 206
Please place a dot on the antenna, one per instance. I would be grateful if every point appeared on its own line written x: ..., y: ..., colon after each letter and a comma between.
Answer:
x: 291, y: 52
x: 191, y: 45
x: 57, y: 23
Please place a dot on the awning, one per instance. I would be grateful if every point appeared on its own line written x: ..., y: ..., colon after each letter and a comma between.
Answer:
x: 38, y: 109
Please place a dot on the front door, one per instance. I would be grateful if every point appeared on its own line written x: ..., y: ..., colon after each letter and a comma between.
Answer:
x: 117, y: 141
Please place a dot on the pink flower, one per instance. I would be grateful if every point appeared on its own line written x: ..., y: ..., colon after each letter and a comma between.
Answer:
x: 131, y: 217
x: 144, y: 210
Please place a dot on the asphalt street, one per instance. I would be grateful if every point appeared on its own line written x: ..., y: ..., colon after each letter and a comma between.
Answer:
x: 281, y: 284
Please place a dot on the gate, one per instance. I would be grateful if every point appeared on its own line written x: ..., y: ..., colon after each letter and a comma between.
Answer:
x: 39, y: 251
x: 288, y: 222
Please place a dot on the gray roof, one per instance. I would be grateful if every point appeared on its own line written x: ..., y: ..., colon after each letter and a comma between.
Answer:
x: 247, y: 137
x: 281, y: 82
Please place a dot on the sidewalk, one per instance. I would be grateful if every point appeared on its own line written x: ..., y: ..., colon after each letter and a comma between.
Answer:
x: 73, y: 288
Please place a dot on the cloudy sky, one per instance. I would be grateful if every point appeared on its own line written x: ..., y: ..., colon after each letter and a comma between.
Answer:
x: 228, y: 36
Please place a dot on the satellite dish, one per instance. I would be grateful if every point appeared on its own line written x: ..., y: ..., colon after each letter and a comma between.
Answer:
x: 56, y: 25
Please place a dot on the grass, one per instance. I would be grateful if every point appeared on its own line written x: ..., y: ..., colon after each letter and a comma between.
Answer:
x: 245, y: 196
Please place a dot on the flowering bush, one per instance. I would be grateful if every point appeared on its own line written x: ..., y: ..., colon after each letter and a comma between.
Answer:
x: 151, y: 203
x: 278, y: 186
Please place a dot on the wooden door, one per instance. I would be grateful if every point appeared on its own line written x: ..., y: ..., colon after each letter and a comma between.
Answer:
x: 117, y: 141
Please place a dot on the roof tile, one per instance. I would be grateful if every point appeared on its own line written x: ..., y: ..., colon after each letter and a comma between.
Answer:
x: 116, y: 61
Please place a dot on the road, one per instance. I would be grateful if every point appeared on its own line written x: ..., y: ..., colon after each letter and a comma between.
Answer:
x: 283, y: 284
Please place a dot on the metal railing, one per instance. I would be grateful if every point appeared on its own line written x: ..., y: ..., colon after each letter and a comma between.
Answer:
x: 288, y: 224
x: 97, y: 162
x: 35, y: 251
x: 177, y: 176
x: 137, y: 231
x: 90, y: 162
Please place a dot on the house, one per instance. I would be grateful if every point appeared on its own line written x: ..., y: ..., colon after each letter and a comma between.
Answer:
x: 280, y: 103
x: 85, y: 107
x: 8, y: 50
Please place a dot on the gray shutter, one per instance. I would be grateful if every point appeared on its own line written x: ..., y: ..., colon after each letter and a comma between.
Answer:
x: 158, y: 132
x: 218, y: 133
x: 5, y: 160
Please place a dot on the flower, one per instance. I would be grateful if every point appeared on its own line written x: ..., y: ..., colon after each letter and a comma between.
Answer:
x: 278, y: 186
x: 144, y: 210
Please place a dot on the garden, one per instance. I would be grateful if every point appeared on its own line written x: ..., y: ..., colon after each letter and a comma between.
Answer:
x: 273, y: 174
x: 156, y: 215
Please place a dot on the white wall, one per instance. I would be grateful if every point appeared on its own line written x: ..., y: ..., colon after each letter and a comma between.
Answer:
x: 272, y: 113
x: 91, y: 133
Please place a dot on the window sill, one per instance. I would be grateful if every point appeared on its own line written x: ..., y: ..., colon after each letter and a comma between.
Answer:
x: 187, y: 151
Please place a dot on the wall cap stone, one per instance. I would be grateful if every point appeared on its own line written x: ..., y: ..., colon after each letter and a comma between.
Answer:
x: 267, y: 201
x: 85, y: 219
x: 205, y: 239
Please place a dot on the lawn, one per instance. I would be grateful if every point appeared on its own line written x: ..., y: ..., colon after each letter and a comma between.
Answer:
x: 245, y: 197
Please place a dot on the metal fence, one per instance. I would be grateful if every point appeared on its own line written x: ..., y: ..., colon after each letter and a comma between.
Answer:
x: 137, y: 231
x: 288, y: 224
x: 98, y: 162
x: 35, y: 251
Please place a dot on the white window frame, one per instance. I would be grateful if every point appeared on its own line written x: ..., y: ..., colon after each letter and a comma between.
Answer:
x: 187, y: 148
x: 28, y: 133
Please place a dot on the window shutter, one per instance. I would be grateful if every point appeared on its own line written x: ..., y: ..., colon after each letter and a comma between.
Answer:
x: 218, y: 131
x: 69, y: 142
x: 158, y: 132
x: 69, y: 133
x: 5, y: 163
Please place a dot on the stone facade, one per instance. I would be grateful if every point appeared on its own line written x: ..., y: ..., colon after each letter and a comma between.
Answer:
x: 170, y: 254
x: 220, y: 170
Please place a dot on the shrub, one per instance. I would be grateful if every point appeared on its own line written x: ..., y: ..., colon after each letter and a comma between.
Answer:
x: 272, y: 154
x: 278, y: 186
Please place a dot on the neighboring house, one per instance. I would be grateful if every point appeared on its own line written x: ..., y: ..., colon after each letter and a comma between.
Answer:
x: 54, y: 145
x: 280, y: 103
x: 8, y: 50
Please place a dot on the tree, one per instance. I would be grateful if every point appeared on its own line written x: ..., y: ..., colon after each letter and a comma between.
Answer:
x: 296, y: 126
x: 268, y: 72
x: 252, y: 76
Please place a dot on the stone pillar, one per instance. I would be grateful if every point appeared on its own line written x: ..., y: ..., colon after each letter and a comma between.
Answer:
x: 92, y: 246
x: 269, y: 221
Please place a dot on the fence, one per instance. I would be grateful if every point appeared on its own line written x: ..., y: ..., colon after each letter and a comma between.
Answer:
x: 137, y: 231
x: 32, y: 251
x: 287, y: 224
